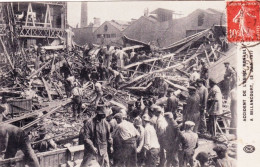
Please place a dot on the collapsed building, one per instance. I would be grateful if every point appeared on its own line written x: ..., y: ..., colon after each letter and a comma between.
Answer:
x: 36, y: 96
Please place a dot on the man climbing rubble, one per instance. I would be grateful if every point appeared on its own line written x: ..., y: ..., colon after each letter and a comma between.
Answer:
x: 98, y: 91
x: 76, y: 100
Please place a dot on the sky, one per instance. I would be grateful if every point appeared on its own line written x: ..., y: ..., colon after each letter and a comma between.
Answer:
x: 120, y: 10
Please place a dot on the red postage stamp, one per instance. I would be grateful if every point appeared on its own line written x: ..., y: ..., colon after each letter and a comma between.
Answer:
x: 243, y: 21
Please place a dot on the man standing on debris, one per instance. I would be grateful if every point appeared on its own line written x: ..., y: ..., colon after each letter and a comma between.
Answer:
x: 194, y: 76
x: 204, y: 73
x: 189, y: 142
x: 127, y: 134
x: 151, y: 143
x: 98, y: 90
x: 172, y: 102
x: 65, y: 70
x: 162, y: 88
x: 13, y: 139
x: 229, y: 78
x: 76, y: 100
x: 192, y: 109
x: 97, y: 140
x: 203, y: 93
x: 214, y: 105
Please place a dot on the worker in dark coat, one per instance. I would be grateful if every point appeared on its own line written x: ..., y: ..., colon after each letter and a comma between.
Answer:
x: 13, y: 139
x: 192, y: 109
x: 204, y: 73
x: 203, y: 93
x: 44, y: 143
x: 97, y: 140
x: 172, y: 141
x: 172, y: 102
x: 229, y: 78
x: 65, y: 70
x: 189, y: 142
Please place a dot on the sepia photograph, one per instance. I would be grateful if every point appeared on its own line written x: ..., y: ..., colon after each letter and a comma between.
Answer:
x: 121, y: 83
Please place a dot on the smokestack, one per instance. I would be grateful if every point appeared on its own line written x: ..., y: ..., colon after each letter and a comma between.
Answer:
x: 84, y: 14
x: 97, y: 22
x: 146, y: 12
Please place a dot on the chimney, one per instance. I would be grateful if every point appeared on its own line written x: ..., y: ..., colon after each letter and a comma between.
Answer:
x: 97, y: 22
x: 146, y: 12
x: 84, y: 14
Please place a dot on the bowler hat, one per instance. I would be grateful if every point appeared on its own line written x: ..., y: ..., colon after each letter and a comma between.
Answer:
x: 226, y: 62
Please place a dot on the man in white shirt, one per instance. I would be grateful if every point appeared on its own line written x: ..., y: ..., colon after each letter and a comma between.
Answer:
x: 194, y: 76
x: 151, y: 143
x: 127, y: 135
x: 76, y: 100
x: 140, y: 140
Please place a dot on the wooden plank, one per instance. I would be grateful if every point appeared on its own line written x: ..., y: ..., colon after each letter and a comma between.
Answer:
x: 6, y: 54
x: 176, y: 85
x: 40, y: 69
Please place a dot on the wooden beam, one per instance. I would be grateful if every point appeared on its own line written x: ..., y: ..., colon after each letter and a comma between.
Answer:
x: 46, y: 115
x: 6, y: 54
x: 40, y: 69
x: 176, y: 85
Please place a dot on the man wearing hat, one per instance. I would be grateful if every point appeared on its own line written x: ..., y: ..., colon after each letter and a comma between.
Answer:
x: 191, y: 111
x: 189, y: 142
x: 223, y: 159
x: 204, y: 72
x: 127, y: 135
x: 44, y: 144
x: 97, y: 139
x: 214, y: 105
x: 203, y: 159
x: 203, y: 93
x: 160, y: 127
x: 229, y: 78
x: 151, y: 143
x: 172, y: 102
x: 172, y: 141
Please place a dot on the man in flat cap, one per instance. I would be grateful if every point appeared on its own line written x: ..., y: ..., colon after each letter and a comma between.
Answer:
x: 214, y: 105
x: 97, y: 140
x: 223, y: 160
x: 191, y: 111
x: 229, y: 78
x: 189, y: 142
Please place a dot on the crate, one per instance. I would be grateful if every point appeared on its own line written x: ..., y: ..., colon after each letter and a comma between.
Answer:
x: 19, y: 107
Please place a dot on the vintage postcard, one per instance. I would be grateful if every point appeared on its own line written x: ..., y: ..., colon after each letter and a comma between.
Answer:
x: 129, y: 83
